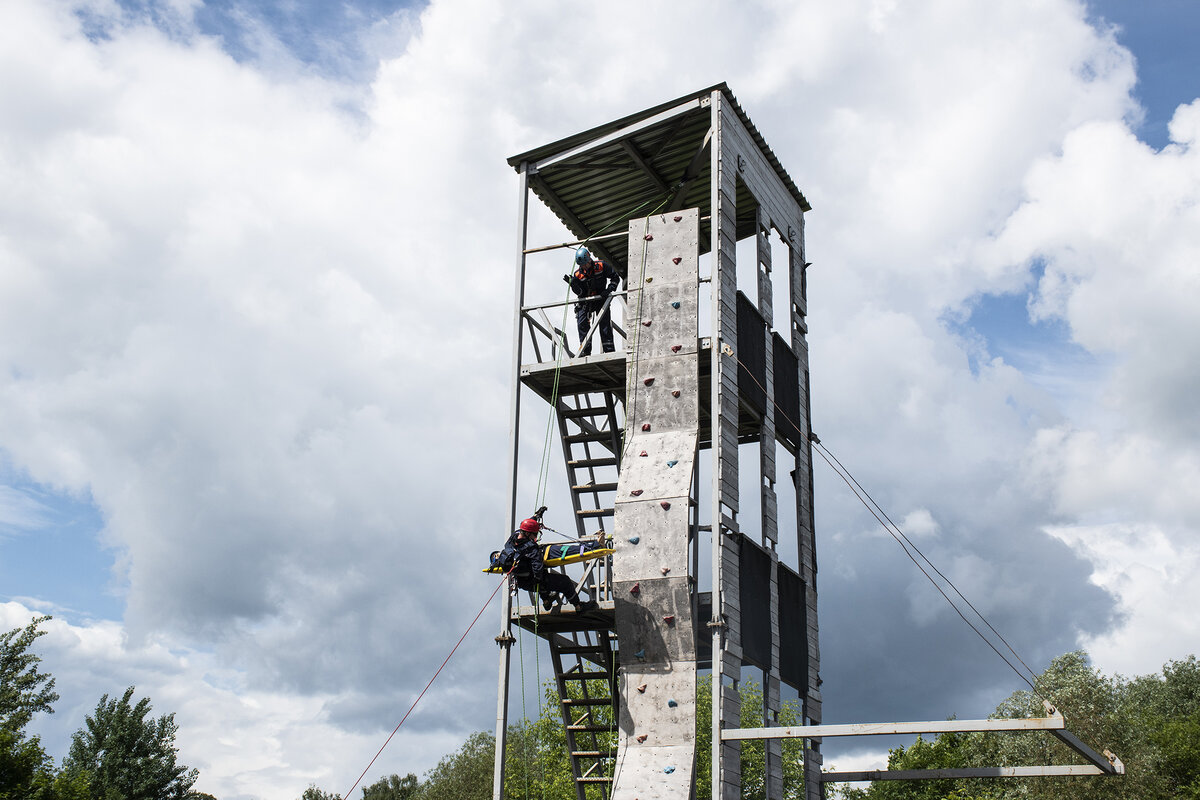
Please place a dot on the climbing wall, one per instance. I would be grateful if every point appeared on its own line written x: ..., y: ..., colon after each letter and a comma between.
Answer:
x: 657, y: 746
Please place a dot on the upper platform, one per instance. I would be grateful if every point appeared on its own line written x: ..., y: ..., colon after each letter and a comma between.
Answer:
x: 597, y: 180
x: 605, y: 372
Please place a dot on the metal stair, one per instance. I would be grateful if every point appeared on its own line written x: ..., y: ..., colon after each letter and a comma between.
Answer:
x: 585, y: 672
x: 590, y: 433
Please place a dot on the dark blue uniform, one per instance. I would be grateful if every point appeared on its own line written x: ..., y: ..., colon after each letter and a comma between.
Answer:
x: 595, y: 279
x: 531, y: 573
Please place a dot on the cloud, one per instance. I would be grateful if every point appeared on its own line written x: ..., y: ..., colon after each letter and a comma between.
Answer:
x: 262, y: 315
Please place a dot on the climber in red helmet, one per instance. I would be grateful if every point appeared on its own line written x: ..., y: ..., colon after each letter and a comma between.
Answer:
x: 530, y: 572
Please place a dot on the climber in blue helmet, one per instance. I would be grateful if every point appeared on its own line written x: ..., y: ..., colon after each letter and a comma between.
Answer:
x: 592, y: 282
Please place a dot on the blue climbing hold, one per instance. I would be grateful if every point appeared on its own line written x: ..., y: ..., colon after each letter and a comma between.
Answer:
x: 640, y: 654
x: 675, y: 304
x: 634, y: 539
x: 668, y: 770
x: 671, y: 704
x: 672, y: 463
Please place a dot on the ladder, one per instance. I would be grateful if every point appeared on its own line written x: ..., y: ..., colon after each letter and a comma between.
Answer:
x: 591, y: 439
x: 585, y: 672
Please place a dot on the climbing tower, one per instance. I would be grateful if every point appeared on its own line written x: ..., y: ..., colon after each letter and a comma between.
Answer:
x: 707, y: 389
x: 671, y: 447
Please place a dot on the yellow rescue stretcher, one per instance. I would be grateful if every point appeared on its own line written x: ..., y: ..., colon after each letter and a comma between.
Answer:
x: 558, y: 555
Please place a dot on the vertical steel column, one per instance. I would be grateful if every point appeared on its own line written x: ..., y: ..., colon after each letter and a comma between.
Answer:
x: 726, y: 621
x: 806, y: 534
x: 772, y: 748
x: 505, y: 639
x: 714, y: 447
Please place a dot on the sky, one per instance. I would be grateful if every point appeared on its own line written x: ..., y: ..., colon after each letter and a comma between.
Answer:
x: 256, y: 281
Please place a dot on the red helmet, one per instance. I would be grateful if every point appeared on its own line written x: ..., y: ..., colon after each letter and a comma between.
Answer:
x: 531, y: 525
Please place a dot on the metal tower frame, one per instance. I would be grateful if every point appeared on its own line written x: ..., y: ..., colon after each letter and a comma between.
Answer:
x: 658, y: 194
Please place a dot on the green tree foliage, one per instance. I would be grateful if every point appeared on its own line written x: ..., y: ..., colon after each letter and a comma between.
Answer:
x: 26, y: 772
x: 392, y: 787
x: 1151, y: 722
x: 315, y: 793
x: 463, y: 775
x: 129, y: 755
x: 753, y: 756
x: 24, y: 691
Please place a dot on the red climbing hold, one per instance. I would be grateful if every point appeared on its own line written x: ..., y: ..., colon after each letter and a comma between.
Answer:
x: 675, y: 348
x: 675, y: 393
x: 635, y: 589
x: 665, y: 504
x: 637, y: 492
x: 645, y: 426
x: 665, y: 570
x: 678, y: 219
x: 676, y: 259
x: 649, y: 237
x: 642, y: 738
x: 643, y: 454
x: 647, y: 322
x: 669, y: 619
x: 648, y: 381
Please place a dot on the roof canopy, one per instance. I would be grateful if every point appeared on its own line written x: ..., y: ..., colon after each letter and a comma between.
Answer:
x: 657, y: 159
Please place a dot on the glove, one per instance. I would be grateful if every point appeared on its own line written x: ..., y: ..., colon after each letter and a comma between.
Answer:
x: 567, y: 279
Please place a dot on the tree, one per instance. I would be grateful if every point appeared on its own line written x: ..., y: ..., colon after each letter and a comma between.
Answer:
x: 128, y: 755
x: 26, y: 772
x: 392, y: 787
x: 465, y: 774
x: 1152, y: 722
x: 24, y: 691
x: 313, y: 792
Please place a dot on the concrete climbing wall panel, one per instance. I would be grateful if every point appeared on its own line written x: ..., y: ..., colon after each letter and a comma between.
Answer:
x: 655, y: 630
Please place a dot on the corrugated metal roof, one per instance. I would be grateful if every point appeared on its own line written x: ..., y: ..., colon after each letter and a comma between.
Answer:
x: 597, y: 180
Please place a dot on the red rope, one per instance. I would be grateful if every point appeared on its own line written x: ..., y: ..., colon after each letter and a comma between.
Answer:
x: 431, y: 680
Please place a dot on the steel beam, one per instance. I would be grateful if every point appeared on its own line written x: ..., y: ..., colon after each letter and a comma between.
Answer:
x: 892, y: 728
x: 505, y: 637
x: 623, y: 133
x: 962, y: 772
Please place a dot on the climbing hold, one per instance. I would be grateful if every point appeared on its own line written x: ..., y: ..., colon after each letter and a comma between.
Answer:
x: 649, y: 237
x: 672, y: 463
x: 647, y: 322
x: 634, y: 539
x: 668, y: 770
x: 650, y: 280
x: 675, y: 348
x: 642, y: 738
x: 669, y: 619
x: 645, y: 426
x: 635, y: 589
x: 676, y: 259
x: 675, y: 393
x: 640, y: 654
x: 636, y: 492
x: 672, y: 704
x: 677, y: 219
x: 665, y: 570
x: 642, y: 688
x: 643, y: 454
x: 648, y: 381
x: 674, y: 304
x: 665, y: 504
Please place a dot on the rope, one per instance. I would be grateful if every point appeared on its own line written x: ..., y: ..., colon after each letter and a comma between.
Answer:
x: 905, y: 545
x: 524, y: 713
x: 544, y: 467
x: 453, y: 650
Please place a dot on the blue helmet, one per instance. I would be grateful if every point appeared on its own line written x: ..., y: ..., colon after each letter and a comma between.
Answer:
x: 582, y: 257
